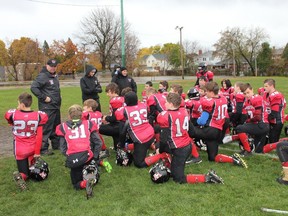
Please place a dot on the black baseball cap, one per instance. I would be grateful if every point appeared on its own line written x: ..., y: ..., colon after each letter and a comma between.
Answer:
x: 52, y: 62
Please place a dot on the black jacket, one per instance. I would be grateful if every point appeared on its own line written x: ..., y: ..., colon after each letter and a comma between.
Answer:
x: 46, y: 84
x: 124, y: 81
x: 90, y: 86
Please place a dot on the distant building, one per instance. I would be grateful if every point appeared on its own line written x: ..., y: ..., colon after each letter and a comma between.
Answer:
x: 154, y: 63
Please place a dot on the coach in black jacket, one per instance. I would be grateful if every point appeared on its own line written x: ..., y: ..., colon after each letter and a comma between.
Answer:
x: 47, y: 89
x: 123, y: 80
x: 90, y: 85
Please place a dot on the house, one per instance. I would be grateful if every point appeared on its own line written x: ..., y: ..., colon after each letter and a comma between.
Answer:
x: 154, y: 63
x: 208, y: 58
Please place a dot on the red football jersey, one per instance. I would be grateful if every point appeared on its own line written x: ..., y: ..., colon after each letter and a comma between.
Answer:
x: 78, y: 138
x: 139, y: 128
x: 144, y: 96
x: 178, y: 123
x: 275, y: 102
x: 194, y: 105
x: 158, y: 100
x: 25, y: 124
x: 236, y: 98
x: 95, y: 117
x: 115, y: 103
x: 255, y: 109
x: 217, y: 109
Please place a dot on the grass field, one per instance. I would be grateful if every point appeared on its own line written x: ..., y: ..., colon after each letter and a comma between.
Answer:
x: 129, y: 191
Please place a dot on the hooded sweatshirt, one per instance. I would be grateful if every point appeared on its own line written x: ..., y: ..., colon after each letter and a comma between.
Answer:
x: 124, y: 81
x: 90, y: 86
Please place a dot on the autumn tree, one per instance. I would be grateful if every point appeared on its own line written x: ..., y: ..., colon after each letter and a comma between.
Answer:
x: 27, y: 52
x: 3, y: 53
x: 241, y: 44
x: 66, y: 52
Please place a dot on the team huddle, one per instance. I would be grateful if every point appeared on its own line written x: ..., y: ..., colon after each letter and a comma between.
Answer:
x: 166, y: 121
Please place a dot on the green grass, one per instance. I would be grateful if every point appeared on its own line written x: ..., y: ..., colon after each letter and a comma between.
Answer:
x: 129, y: 191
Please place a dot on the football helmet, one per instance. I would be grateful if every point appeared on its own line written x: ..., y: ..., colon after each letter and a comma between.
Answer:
x: 193, y: 93
x: 251, y: 143
x: 202, y: 67
x: 39, y: 170
x: 91, y: 171
x: 123, y: 158
x: 159, y: 173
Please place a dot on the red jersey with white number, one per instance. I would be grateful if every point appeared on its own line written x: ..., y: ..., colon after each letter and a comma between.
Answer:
x: 194, y: 106
x: 139, y: 129
x: 255, y: 109
x: 78, y: 138
x: 177, y: 121
x: 95, y: 117
x: 115, y: 103
x: 158, y: 100
x: 217, y: 109
x: 236, y: 98
x: 25, y: 124
x: 275, y: 102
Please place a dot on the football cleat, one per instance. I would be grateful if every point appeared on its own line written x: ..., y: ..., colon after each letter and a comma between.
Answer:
x: 19, y: 181
x: 191, y: 159
x: 104, y: 154
x: 107, y: 166
x: 245, y: 153
x: 281, y: 181
x: 212, y: 177
x: 237, y: 160
x: 227, y: 139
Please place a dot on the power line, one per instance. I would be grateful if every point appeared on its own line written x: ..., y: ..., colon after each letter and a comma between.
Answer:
x: 73, y: 5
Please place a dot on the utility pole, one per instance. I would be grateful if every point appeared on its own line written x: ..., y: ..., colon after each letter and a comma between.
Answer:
x: 123, y: 59
x: 181, y: 51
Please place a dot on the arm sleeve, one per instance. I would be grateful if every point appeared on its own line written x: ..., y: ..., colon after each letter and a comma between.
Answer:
x: 134, y: 86
x: 85, y: 89
x: 36, y: 86
x: 203, y: 118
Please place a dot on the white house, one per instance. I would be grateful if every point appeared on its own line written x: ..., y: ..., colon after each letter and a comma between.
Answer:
x: 207, y: 57
x: 155, y: 63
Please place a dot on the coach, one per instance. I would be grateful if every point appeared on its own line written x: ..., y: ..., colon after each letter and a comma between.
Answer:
x: 47, y: 89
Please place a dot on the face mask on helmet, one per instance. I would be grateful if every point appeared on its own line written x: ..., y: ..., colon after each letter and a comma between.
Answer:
x: 123, y: 158
x: 39, y: 170
x: 193, y: 93
x: 91, y: 171
x: 159, y: 173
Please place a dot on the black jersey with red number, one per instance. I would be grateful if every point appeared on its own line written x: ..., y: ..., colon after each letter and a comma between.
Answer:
x: 217, y: 109
x: 277, y: 103
x: 176, y: 123
x: 25, y: 124
x: 77, y: 137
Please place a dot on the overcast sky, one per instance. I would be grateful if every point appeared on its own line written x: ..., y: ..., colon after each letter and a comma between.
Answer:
x: 153, y: 21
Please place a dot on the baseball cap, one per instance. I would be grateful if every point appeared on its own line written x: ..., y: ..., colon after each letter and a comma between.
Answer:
x: 52, y: 62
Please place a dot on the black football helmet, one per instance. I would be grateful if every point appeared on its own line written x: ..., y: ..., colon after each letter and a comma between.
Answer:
x: 91, y: 171
x: 202, y: 66
x: 39, y: 170
x: 159, y: 173
x: 193, y: 93
x: 123, y: 158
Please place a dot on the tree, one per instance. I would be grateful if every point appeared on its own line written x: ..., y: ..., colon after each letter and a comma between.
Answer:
x: 285, y: 53
x: 264, y: 58
x: 24, y: 51
x: 102, y: 30
x: 241, y: 44
x: 66, y: 52
x: 3, y: 54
